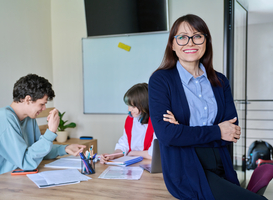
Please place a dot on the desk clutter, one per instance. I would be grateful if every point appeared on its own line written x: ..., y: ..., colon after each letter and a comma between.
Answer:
x: 87, y: 164
x: 76, y: 167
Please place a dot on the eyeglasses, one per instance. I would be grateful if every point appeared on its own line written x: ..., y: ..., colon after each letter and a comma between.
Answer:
x: 183, y: 40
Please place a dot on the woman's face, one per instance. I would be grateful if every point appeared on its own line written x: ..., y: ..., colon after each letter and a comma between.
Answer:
x: 134, y: 111
x: 190, y: 53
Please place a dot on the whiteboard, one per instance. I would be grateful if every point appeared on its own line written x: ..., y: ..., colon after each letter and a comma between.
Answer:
x: 109, y: 71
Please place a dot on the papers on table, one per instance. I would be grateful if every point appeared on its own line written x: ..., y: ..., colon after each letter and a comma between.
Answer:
x: 115, y: 172
x: 57, y: 178
x: 70, y: 162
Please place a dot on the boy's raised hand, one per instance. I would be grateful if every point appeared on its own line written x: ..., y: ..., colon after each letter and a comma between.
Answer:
x: 53, y: 120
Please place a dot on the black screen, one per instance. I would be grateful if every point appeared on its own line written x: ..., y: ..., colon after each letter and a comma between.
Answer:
x: 111, y: 17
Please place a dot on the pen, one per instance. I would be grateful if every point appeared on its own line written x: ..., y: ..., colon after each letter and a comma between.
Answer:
x: 94, y: 156
x: 87, y: 155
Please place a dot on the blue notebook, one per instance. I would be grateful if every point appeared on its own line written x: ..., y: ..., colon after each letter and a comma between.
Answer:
x: 125, y: 160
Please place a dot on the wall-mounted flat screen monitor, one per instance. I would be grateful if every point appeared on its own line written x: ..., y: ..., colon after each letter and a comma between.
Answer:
x: 113, y: 17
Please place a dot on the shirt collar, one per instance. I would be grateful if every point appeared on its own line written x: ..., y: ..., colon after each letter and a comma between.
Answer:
x: 187, y: 76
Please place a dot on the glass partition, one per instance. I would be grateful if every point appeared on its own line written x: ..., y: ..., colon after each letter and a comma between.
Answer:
x: 239, y: 87
x: 235, y: 63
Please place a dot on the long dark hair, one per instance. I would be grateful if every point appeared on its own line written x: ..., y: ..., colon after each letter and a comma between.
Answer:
x: 137, y: 96
x: 170, y: 58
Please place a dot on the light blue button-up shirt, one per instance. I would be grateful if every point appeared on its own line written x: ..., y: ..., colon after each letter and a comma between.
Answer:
x: 200, y: 97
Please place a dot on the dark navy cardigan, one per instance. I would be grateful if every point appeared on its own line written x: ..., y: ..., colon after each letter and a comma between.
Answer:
x: 183, y: 174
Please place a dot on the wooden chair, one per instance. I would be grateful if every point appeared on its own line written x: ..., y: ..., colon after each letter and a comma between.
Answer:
x: 44, y: 113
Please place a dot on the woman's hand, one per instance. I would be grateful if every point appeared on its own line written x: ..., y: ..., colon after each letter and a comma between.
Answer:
x: 169, y: 117
x: 74, y: 149
x: 229, y: 131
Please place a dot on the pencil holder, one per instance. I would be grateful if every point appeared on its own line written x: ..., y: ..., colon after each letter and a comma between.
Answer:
x: 87, y: 166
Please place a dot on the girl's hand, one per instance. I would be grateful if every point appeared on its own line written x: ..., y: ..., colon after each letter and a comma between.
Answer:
x: 169, y: 117
x: 106, y: 157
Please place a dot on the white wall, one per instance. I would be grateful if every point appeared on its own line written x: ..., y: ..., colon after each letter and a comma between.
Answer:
x: 68, y: 27
x: 260, y: 62
x: 44, y: 37
x: 25, y: 41
x: 212, y: 12
x: 259, y: 83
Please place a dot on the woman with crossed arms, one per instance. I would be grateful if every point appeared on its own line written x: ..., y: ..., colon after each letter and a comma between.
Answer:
x: 194, y: 117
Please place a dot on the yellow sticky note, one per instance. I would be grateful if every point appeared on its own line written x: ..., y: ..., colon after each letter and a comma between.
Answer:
x: 124, y: 46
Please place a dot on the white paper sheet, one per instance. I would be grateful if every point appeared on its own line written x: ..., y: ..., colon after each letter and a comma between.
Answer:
x: 57, y: 178
x: 70, y: 162
x: 130, y: 173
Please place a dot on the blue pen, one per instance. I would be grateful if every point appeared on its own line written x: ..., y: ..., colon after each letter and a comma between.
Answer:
x: 94, y: 156
x: 85, y: 168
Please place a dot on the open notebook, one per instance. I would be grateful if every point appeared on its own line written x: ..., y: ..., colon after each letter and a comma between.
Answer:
x: 155, y: 166
x: 125, y: 160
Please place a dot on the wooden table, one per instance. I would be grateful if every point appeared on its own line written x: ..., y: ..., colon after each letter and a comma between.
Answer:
x: 150, y: 186
x: 87, y: 143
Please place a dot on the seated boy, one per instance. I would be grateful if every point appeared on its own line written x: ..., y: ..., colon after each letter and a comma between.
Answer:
x: 21, y: 143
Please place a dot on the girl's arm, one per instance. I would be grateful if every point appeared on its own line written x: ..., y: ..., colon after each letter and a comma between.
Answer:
x: 144, y: 154
x: 105, y: 157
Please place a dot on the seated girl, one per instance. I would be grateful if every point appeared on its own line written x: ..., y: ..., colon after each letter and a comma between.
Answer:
x: 138, y: 131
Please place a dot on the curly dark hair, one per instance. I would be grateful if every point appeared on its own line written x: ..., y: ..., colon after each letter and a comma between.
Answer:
x: 34, y: 86
x: 137, y: 96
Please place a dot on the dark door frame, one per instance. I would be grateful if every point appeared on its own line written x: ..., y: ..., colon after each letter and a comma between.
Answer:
x: 229, y: 29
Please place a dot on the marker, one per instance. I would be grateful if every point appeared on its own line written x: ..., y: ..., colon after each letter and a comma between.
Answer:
x: 91, y: 151
x: 87, y: 154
